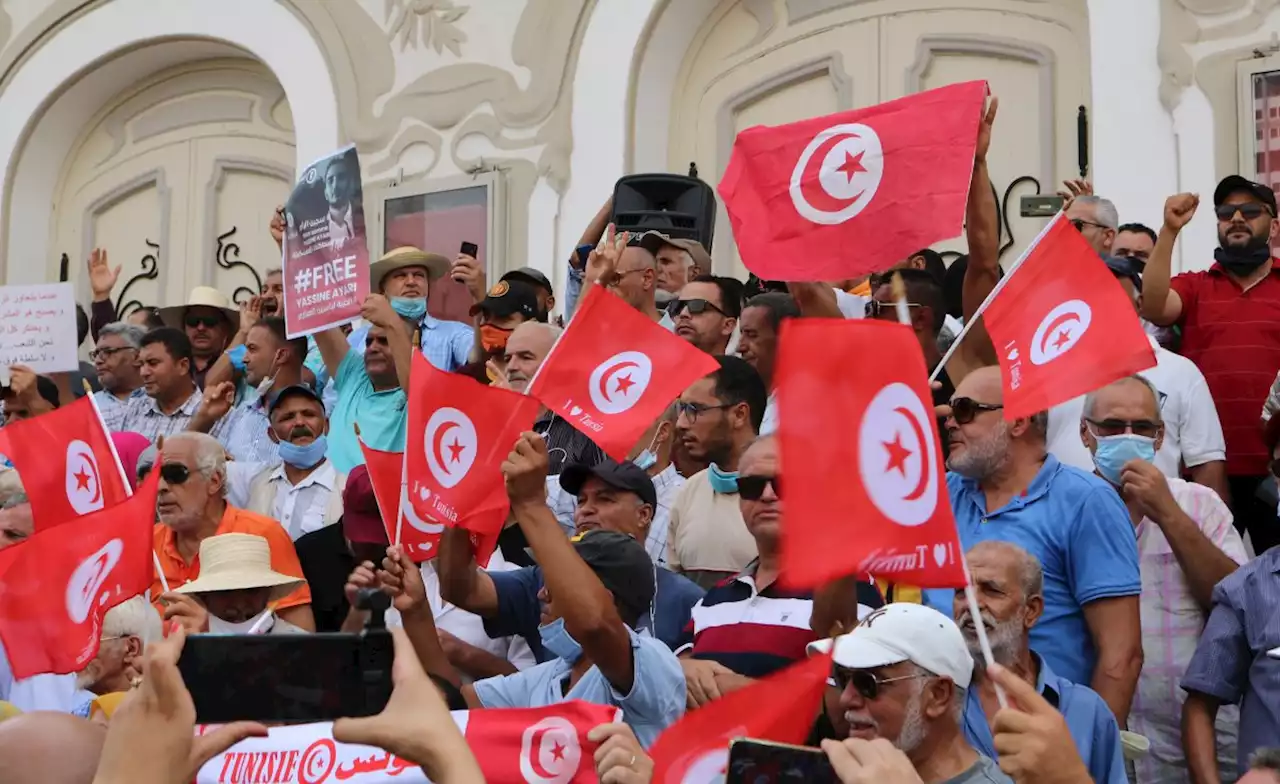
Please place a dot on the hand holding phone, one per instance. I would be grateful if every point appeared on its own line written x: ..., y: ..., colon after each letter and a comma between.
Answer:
x: 470, y: 249
x: 766, y: 762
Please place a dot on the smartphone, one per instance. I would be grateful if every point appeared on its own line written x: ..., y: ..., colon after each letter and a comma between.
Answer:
x: 287, y: 678
x: 766, y: 762
x: 1040, y: 206
x: 470, y: 249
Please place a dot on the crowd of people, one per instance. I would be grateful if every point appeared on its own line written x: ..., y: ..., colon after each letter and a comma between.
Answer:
x: 1120, y: 545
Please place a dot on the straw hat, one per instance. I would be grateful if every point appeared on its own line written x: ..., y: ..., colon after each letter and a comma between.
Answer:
x: 205, y: 296
x: 238, y: 562
x: 399, y: 258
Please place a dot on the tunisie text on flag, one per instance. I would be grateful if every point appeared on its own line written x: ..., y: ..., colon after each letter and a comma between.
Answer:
x: 779, y: 707
x: 511, y: 744
x: 56, y: 586
x: 614, y: 370
x: 844, y: 195
x: 459, y: 433
x: 419, y: 538
x: 873, y: 499
x: 1062, y: 325
x: 67, y: 463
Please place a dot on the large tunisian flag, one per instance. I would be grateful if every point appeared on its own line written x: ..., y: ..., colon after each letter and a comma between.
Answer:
x: 56, y: 586
x: 844, y: 195
x: 874, y: 500
x: 1061, y: 325
x: 614, y: 371
x: 67, y: 463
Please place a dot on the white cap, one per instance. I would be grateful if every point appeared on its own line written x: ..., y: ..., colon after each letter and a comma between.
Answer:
x: 902, y: 632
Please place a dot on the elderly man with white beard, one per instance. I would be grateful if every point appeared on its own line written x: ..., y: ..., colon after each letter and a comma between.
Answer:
x: 127, y: 629
x: 1010, y: 586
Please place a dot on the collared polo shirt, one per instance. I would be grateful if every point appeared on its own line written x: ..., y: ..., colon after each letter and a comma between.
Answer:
x: 383, y: 416
x: 445, y: 344
x: 1233, y: 336
x: 1078, y: 528
x: 234, y: 521
x: 1089, y: 720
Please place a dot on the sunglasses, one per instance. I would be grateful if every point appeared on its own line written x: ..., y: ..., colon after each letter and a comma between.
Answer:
x: 171, y: 473
x: 694, y: 306
x: 965, y: 409
x: 866, y: 682
x: 1248, y: 210
x: 1080, y: 224
x: 876, y: 309
x: 208, y: 322
x: 751, y: 488
x: 1116, y: 427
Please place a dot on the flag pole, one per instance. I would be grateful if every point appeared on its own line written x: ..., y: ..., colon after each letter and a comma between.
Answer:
x: 968, y: 324
x: 971, y: 596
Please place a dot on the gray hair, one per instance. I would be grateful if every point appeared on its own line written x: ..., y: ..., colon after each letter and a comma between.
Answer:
x: 1040, y: 423
x: 1266, y: 758
x: 1091, y: 399
x: 133, y: 618
x: 272, y: 271
x: 1104, y: 211
x: 957, y: 693
x: 12, y: 492
x: 211, y: 456
x: 1030, y: 572
x: 131, y: 334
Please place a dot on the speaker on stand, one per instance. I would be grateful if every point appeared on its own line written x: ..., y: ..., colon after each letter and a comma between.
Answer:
x: 678, y: 206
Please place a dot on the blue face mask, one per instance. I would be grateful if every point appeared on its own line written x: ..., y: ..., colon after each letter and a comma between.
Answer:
x: 557, y: 639
x: 646, y: 460
x: 304, y: 456
x: 1114, y: 451
x: 409, y: 307
x: 722, y: 482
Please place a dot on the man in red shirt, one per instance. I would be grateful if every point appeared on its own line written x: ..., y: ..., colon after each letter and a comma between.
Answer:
x: 1230, y: 320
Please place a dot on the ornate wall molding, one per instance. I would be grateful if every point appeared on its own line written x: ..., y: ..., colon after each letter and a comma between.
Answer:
x: 1180, y: 29
x: 88, y: 231
x: 223, y: 166
x: 433, y: 23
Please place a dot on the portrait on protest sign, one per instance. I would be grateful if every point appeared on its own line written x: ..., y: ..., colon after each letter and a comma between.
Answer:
x: 326, y: 257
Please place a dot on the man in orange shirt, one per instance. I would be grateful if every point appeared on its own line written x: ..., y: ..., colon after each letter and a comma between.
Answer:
x: 192, y: 507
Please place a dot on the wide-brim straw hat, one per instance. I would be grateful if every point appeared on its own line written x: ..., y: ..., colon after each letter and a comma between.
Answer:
x: 238, y: 562
x: 399, y: 258
x: 205, y: 296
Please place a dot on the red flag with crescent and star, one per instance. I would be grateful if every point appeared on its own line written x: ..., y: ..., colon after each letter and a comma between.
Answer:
x: 1062, y: 325
x: 57, y: 585
x: 875, y: 498
x: 67, y: 462
x: 614, y: 370
x: 459, y: 433
x: 848, y: 194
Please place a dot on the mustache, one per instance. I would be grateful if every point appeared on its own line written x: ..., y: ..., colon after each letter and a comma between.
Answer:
x: 988, y: 620
x: 301, y: 431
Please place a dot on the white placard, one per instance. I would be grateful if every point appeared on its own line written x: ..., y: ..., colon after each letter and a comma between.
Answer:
x: 38, y: 327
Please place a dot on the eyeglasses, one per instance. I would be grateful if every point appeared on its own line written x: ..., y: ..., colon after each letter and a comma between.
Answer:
x: 888, y: 310
x: 965, y: 409
x: 695, y: 306
x: 693, y: 410
x: 1116, y: 427
x: 1080, y: 224
x: 751, y: 488
x: 866, y: 682
x: 107, y: 353
x: 208, y: 322
x: 171, y: 473
x: 1249, y: 210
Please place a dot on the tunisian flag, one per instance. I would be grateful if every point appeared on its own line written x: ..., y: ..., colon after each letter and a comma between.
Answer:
x: 67, y: 463
x: 511, y: 744
x: 614, y: 370
x: 874, y: 500
x: 459, y: 433
x: 1061, y: 325
x: 779, y: 707
x: 844, y: 195
x: 56, y: 586
x: 418, y: 537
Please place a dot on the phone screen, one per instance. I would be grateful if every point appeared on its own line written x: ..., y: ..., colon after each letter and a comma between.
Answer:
x: 763, y: 762
x: 469, y: 249
x: 287, y: 678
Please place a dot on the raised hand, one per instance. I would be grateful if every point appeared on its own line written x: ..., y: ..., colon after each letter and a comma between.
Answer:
x: 1179, y: 210
x: 218, y: 401
x: 525, y: 470
x: 102, y: 276
x: 467, y: 271
x: 278, y: 225
x: 984, y: 130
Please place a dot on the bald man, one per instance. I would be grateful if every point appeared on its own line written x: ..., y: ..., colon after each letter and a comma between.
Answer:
x: 1005, y: 486
x: 49, y: 748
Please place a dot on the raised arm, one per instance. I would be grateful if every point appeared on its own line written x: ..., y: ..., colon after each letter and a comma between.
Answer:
x: 1160, y: 303
x: 377, y: 311
x: 462, y: 582
x: 982, y: 233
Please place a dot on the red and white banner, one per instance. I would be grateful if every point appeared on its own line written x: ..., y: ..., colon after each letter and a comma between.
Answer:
x: 537, y: 745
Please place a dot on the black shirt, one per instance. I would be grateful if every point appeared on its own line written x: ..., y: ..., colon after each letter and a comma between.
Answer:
x: 566, y: 444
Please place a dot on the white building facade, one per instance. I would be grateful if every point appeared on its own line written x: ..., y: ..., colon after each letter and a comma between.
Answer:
x: 167, y: 130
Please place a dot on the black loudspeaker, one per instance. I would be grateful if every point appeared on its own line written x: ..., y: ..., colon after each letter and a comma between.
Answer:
x: 682, y: 207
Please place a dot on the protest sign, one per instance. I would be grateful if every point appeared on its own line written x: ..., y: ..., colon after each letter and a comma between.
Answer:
x: 38, y: 327
x: 326, y: 258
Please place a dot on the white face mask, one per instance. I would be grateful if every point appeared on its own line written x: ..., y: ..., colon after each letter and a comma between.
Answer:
x: 219, y: 626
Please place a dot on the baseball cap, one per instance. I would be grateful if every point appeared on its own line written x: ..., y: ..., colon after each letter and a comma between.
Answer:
x: 507, y: 298
x: 361, y: 518
x: 901, y: 632
x: 622, y: 564
x: 620, y: 476
x: 1234, y: 183
x: 653, y: 241
x: 531, y: 276
x: 293, y: 390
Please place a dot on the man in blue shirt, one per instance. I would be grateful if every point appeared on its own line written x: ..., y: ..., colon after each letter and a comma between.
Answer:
x: 1005, y: 486
x: 1009, y: 585
x: 617, y: 497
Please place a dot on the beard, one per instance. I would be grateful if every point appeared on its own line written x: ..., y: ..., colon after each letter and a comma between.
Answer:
x: 913, y: 731
x: 1254, y: 242
x: 981, y: 459
x: 90, y: 676
x: 1004, y: 637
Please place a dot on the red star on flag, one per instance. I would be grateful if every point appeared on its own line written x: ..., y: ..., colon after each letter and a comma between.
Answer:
x: 557, y: 751
x: 82, y: 479
x: 1064, y: 337
x: 898, y: 455
x: 624, y: 383
x: 852, y: 165
x: 455, y: 451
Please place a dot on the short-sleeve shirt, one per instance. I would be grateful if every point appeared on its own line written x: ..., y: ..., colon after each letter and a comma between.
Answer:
x: 1233, y: 336
x: 382, y: 416
x: 1080, y: 531
x: 656, y: 699
x: 284, y: 559
x: 705, y: 531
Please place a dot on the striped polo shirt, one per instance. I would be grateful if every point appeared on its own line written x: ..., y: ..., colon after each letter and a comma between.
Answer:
x: 1233, y: 336
x: 755, y: 633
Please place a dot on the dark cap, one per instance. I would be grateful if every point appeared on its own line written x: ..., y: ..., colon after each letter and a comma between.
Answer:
x: 361, y: 518
x: 507, y: 298
x: 620, y: 476
x: 531, y: 276
x: 293, y: 390
x: 1122, y: 267
x: 654, y: 241
x: 622, y: 565
x: 1234, y: 183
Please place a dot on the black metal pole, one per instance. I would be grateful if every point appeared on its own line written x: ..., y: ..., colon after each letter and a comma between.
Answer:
x: 1082, y: 141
